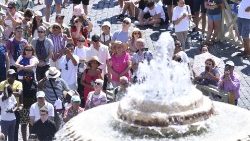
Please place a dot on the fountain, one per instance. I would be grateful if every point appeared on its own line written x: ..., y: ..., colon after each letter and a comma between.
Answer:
x: 166, y: 106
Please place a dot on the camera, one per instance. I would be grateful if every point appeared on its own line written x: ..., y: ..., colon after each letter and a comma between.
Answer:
x: 207, y: 68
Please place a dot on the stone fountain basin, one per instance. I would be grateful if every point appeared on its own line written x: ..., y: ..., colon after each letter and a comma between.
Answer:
x: 229, y: 123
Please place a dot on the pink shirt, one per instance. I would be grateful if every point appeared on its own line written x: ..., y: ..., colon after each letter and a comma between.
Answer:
x: 119, y: 64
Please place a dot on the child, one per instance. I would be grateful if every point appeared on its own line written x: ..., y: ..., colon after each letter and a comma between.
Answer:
x: 106, y: 35
x: 96, y: 97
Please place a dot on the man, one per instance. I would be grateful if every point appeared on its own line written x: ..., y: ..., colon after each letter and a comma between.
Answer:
x: 100, y: 50
x: 43, y: 49
x: 121, y: 90
x: 44, y: 128
x: 12, y: 19
x: 170, y: 5
x: 68, y: 66
x: 17, y: 91
x: 230, y: 82
x: 35, y: 108
x: 59, y: 20
x: 54, y: 88
x: 59, y: 41
x: 15, y: 46
x: 153, y: 14
x: 26, y: 24
x: 122, y: 35
x: 244, y: 26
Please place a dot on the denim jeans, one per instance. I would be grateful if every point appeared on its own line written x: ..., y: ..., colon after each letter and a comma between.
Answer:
x: 8, y: 129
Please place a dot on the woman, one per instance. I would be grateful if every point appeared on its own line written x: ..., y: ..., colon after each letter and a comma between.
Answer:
x: 37, y: 21
x: 214, y: 10
x: 90, y: 75
x: 26, y: 64
x: 210, y: 76
x: 74, y: 109
x: 136, y: 34
x: 181, y: 18
x: 120, y: 63
x: 79, y: 29
x: 8, y: 106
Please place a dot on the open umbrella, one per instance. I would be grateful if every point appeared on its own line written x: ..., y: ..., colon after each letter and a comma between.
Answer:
x: 199, y: 63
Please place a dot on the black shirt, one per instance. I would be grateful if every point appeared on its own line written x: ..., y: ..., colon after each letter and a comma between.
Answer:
x: 44, y: 131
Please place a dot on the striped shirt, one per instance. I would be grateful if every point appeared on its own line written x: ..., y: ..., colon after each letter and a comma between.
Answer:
x: 59, y: 42
x: 59, y: 85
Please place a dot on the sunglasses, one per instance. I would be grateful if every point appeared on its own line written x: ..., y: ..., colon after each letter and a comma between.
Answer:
x: 98, y: 84
x: 10, y: 7
x: 125, y: 22
x: 136, y: 33
x: 81, y: 40
x: 27, y: 19
x: 66, y: 67
x: 56, y: 27
x: 28, y: 50
x: 41, y: 31
x: 76, y: 21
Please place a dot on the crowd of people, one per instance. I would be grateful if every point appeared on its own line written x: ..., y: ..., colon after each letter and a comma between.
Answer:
x: 50, y: 72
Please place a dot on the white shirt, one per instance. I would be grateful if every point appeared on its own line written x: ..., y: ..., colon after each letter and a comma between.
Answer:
x: 183, y: 56
x: 33, y: 61
x: 81, y: 52
x: 102, y: 54
x: 156, y: 10
x: 7, y: 105
x: 242, y: 7
x: 178, y: 11
x: 70, y: 75
x: 35, y: 110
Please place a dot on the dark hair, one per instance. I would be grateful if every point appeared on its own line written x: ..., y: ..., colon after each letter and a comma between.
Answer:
x: 28, y: 46
x: 211, y: 60
x: 150, y: 4
x: 35, y: 25
x: 28, y: 13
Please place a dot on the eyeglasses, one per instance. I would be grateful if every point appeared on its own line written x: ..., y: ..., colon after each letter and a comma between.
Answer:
x: 41, y: 31
x: 66, y: 66
x: 76, y: 21
x: 10, y: 7
x: 126, y: 22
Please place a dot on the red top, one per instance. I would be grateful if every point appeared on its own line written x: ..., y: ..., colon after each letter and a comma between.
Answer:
x: 83, y: 32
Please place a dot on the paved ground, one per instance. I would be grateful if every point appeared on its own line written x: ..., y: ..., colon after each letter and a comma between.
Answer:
x: 103, y: 10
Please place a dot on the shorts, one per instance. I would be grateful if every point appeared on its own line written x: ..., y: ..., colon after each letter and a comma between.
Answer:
x: 216, y: 17
x: 244, y: 27
x: 169, y: 2
x: 199, y: 5
x: 84, y: 2
x: 49, y: 2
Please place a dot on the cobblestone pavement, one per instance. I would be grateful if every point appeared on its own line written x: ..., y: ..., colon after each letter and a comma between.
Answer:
x: 102, y: 10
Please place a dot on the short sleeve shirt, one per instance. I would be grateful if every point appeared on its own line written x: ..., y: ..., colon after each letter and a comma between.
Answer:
x: 16, y: 86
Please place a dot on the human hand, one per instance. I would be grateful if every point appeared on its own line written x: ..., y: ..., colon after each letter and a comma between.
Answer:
x: 184, y: 15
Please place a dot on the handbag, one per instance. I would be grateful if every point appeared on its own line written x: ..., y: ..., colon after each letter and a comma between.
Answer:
x: 192, y: 25
x: 58, y: 103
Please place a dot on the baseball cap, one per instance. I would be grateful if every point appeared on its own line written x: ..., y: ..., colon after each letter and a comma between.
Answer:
x: 40, y: 94
x: 11, y: 71
x: 106, y: 23
x: 230, y: 63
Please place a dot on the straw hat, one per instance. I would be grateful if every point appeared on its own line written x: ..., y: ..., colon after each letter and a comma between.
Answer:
x: 94, y: 58
x: 53, y: 72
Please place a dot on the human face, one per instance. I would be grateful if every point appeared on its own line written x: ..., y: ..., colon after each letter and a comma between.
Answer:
x: 41, y: 33
x: 44, y: 115
x: 119, y: 49
x: 27, y: 19
x: 125, y: 24
x: 19, y: 33
x: 94, y: 64
x: 209, y: 64
x: 124, y: 83
x: 11, y: 9
x: 28, y: 51
x: 56, y: 30
x: 41, y: 100
x: 139, y: 45
x: 59, y: 20
x: 38, y: 19
x: 97, y: 86
x: 137, y: 34
x: 77, y: 23
x: 181, y: 3
x: 204, y: 50
x: 105, y: 29
x: 75, y: 104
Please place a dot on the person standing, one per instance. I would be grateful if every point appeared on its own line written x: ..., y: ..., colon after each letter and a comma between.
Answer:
x: 43, y: 49
x: 68, y: 65
x: 244, y: 26
x: 4, y: 63
x: 8, y: 106
x: 44, y: 128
